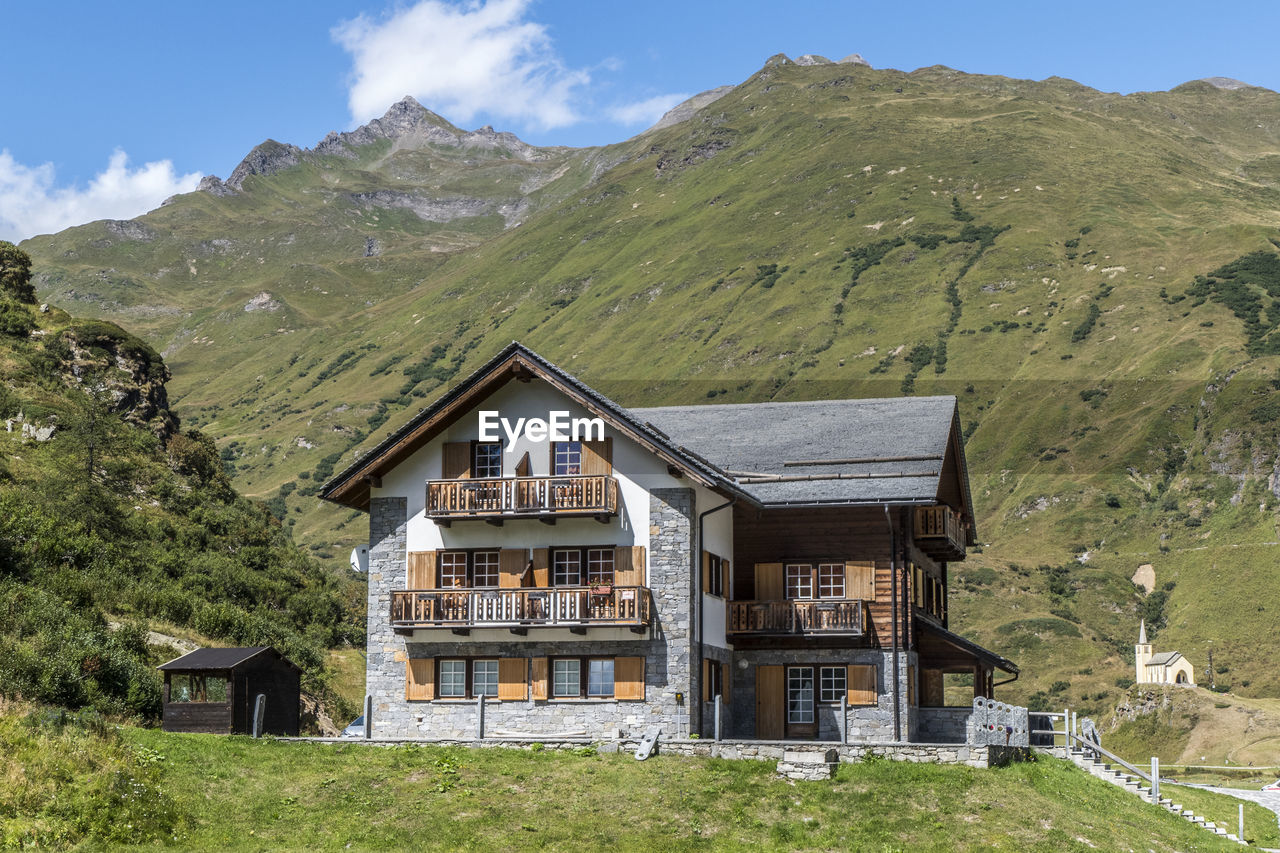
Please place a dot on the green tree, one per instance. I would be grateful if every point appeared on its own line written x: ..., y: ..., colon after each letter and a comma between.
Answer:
x: 15, y: 273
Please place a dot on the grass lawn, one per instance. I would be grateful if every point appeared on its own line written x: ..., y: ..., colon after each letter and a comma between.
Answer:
x: 242, y: 794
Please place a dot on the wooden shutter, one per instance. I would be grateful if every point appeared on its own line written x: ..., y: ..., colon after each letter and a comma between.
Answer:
x: 862, y: 684
x: 523, y: 468
x: 707, y: 663
x: 917, y: 586
x: 542, y: 567
x: 706, y: 571
x: 422, y: 570
x: 724, y: 578
x: 419, y: 679
x: 628, y: 678
x: 769, y: 582
x: 628, y: 565
x: 726, y: 673
x: 770, y: 702
x: 860, y: 579
x: 512, y: 681
x: 538, y: 678
x: 457, y: 460
x: 911, y: 685
x: 931, y: 688
x: 511, y: 565
x: 597, y: 457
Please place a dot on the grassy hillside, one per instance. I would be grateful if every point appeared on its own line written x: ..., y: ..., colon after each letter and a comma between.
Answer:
x: 113, y: 520
x: 148, y: 789
x: 1092, y: 274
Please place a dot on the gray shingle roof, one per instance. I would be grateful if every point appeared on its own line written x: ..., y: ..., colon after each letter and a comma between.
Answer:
x: 213, y: 658
x: 1163, y: 658
x: 757, y: 438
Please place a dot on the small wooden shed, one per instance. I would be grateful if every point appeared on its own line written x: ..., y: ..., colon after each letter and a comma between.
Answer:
x: 214, y: 690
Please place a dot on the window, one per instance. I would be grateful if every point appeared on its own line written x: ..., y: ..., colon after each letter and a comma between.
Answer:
x: 713, y: 672
x: 715, y: 576
x: 566, y: 567
x: 800, y: 694
x: 193, y: 687
x: 487, y: 460
x: 453, y: 569
x: 831, y: 683
x: 567, y: 677
x: 567, y: 459
x: 799, y: 580
x: 600, y: 677
x: 484, y: 678
x: 485, y: 569
x: 831, y: 580
x: 453, y: 679
x: 600, y: 566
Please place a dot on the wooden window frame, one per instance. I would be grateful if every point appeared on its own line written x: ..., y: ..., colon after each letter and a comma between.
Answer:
x: 804, y: 579
x: 815, y: 566
x: 469, y: 676
x: 584, y: 677
x: 838, y: 574
x: 813, y: 699
x: 584, y: 564
x: 470, y: 567
x: 466, y: 678
x: 555, y: 464
x: 475, y: 459
x: 713, y: 678
x: 842, y: 690
x: 715, y: 582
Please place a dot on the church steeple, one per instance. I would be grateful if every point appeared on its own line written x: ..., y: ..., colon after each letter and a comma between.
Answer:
x: 1141, y: 654
x: 1142, y: 633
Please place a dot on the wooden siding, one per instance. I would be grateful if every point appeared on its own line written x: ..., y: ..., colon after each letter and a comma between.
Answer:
x: 208, y: 717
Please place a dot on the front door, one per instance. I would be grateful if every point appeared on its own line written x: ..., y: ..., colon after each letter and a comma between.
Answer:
x: 801, y: 721
x: 770, y: 703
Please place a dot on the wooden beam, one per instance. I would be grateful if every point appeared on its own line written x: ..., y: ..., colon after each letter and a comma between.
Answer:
x: 374, y: 480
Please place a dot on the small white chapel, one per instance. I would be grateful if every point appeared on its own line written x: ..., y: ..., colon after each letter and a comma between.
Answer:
x: 1163, y: 668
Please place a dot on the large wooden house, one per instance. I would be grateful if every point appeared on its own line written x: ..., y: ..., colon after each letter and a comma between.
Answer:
x: 788, y: 558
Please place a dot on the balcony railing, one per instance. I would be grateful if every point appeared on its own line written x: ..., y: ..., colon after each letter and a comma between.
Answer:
x: 818, y: 616
x: 627, y: 606
x: 500, y: 497
x: 940, y: 532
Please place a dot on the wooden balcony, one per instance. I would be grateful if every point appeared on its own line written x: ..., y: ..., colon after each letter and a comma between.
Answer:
x: 940, y: 532
x: 799, y: 616
x: 539, y: 607
x: 546, y: 498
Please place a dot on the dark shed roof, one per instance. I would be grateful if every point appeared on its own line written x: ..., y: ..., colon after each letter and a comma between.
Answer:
x: 219, y: 658
x: 747, y: 439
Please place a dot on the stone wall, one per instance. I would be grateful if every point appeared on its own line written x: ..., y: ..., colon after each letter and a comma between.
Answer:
x: 671, y: 583
x: 384, y: 669
x: 943, y: 725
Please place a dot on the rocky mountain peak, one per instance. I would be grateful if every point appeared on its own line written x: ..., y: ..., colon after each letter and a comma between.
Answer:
x: 266, y: 158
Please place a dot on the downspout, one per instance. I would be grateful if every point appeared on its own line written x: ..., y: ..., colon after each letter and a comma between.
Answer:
x: 908, y: 632
x: 893, y: 576
x: 695, y: 701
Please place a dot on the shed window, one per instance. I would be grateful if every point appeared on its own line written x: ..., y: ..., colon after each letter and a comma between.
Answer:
x: 195, y: 687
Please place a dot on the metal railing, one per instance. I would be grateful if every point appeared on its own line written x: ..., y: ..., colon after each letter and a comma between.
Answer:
x: 526, y: 606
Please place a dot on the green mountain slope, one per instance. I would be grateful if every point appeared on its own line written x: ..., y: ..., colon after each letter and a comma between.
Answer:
x: 1033, y: 247
x: 113, y: 521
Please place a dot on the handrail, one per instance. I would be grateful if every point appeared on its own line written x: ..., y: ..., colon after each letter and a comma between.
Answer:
x: 797, y: 616
x: 1095, y: 747
x: 489, y: 496
x: 619, y: 605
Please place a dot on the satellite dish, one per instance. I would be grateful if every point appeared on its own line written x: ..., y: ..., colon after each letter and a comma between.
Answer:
x: 360, y: 559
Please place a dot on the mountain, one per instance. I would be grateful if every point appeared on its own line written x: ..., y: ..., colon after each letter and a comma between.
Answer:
x: 1093, y: 275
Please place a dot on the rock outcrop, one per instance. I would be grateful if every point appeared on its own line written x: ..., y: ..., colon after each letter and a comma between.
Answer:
x: 267, y: 158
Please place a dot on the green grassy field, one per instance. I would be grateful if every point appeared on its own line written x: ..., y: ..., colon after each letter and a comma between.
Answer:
x: 64, y: 786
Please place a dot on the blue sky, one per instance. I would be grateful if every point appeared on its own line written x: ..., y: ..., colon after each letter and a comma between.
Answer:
x: 110, y: 108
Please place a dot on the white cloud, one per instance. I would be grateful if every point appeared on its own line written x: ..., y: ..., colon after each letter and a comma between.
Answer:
x: 646, y: 112
x: 460, y: 60
x: 31, y: 204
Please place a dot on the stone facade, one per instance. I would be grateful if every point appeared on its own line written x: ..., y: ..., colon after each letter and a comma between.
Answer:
x: 666, y: 649
x: 384, y: 673
x: 863, y: 724
x: 943, y: 725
